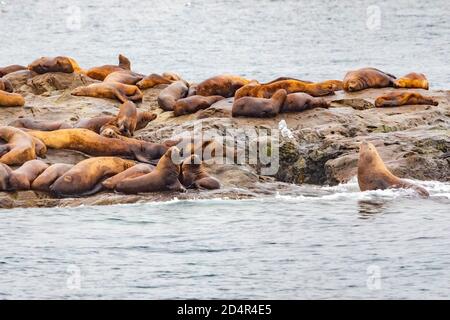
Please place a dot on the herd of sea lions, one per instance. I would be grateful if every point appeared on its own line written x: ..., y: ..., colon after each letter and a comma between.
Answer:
x: 124, y: 164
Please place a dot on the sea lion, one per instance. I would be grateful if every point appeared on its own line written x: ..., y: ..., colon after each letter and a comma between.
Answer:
x: 224, y: 85
x: 5, y: 173
x: 91, y: 143
x: 22, y: 178
x: 85, y: 177
x: 171, y: 76
x: 42, y: 125
x: 44, y: 181
x: 56, y: 64
x: 373, y: 173
x: 154, y: 79
x: 10, y: 69
x: 11, y: 99
x: 127, y: 118
x: 100, y: 73
x: 94, y: 124
x: 194, y: 103
x: 192, y: 90
x: 144, y: 118
x: 257, y: 90
x: 20, y: 146
x: 125, y: 77
x: 365, y: 78
x: 6, y: 86
x: 395, y: 99
x: 110, y: 90
x: 194, y: 175
x: 169, y: 96
x: 296, y: 102
x: 412, y: 80
x: 135, y: 171
x: 259, y: 107
x: 163, y: 178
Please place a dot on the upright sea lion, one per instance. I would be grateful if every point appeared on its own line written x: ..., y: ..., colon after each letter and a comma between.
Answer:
x: 154, y: 79
x: 10, y: 69
x: 56, y: 64
x: 6, y: 86
x: 259, y: 107
x: 125, y: 77
x: 91, y: 143
x: 135, y: 171
x: 163, y: 178
x: 22, y: 178
x: 85, y: 177
x: 365, y: 78
x: 224, y: 85
x: 110, y: 90
x: 412, y: 80
x: 11, y: 99
x: 373, y: 174
x: 296, y: 102
x: 100, y: 73
x: 395, y: 99
x: 44, y: 181
x: 194, y: 175
x: 20, y: 146
x: 169, y: 96
x: 42, y: 125
x: 257, y: 90
x: 5, y: 173
x: 127, y: 118
x: 193, y: 104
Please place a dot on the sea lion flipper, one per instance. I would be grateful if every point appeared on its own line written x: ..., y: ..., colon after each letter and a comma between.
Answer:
x: 124, y: 62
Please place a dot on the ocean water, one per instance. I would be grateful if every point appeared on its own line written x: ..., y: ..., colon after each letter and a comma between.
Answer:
x: 329, y: 242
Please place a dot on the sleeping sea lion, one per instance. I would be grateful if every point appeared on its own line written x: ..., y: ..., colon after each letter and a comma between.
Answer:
x: 170, y: 95
x: 367, y: 78
x: 10, y: 69
x: 412, y: 80
x: 44, y: 181
x: 193, y: 104
x: 135, y: 171
x: 20, y: 146
x: 395, y: 99
x: 56, y: 64
x: 6, y: 86
x: 125, y: 77
x: 110, y: 90
x: 11, y: 99
x: 100, y: 73
x: 296, y: 102
x: 224, y: 85
x: 259, y: 107
x: 22, y: 178
x: 194, y: 175
x: 154, y: 79
x: 42, y: 125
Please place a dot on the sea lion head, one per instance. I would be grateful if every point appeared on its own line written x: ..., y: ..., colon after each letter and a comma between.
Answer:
x: 80, y: 91
x: 110, y: 131
x: 332, y: 85
x: 368, y: 156
x: 353, y: 84
x: 190, y: 168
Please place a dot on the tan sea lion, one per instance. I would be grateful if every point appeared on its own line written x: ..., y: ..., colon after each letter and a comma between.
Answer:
x: 224, y: 85
x: 127, y: 118
x: 91, y: 143
x: 20, y: 146
x: 412, y: 80
x: 193, y: 104
x: 259, y: 107
x: 42, y: 125
x: 110, y: 90
x: 365, y: 78
x: 56, y: 64
x: 111, y: 131
x: 135, y: 171
x: 100, y: 73
x: 154, y: 79
x: 144, y: 118
x: 296, y: 102
x: 163, y: 178
x: 22, y: 178
x: 395, y: 99
x: 169, y: 96
x: 6, y: 86
x: 125, y: 77
x: 44, y: 181
x: 194, y: 175
x: 11, y: 99
x: 85, y: 177
x: 5, y: 173
x: 373, y: 174
x: 10, y: 69
x: 171, y: 76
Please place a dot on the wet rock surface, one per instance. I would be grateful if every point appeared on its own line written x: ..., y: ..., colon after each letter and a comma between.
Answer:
x: 322, y: 150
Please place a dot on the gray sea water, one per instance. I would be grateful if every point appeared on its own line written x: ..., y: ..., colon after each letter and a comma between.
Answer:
x: 340, y: 243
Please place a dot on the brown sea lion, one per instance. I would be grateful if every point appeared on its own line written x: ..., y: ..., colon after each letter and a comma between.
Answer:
x: 395, y: 99
x: 365, y: 78
x: 127, y: 118
x: 154, y: 79
x: 171, y: 76
x: 169, y: 96
x: 135, y: 171
x: 20, y: 146
x: 111, y: 131
x: 110, y: 90
x: 56, y: 64
x: 5, y: 173
x: 192, y: 90
x: 259, y: 107
x: 100, y: 73
x: 224, y: 85
x: 296, y: 102
x: 44, y: 181
x: 85, y: 177
x: 125, y: 77
x: 194, y: 175
x: 11, y: 99
x: 163, y: 178
x: 194, y: 103
x: 91, y: 143
x: 6, y: 86
x: 10, y: 69
x: 94, y: 124
x: 373, y: 173
x: 22, y: 178
x: 257, y: 90
x: 144, y: 118
x: 42, y: 125
x: 412, y: 80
